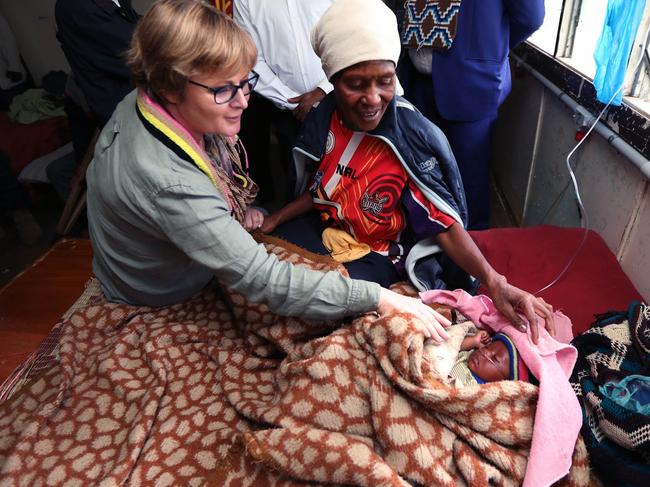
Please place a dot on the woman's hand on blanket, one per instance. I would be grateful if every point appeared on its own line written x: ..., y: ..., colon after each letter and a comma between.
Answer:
x: 509, y: 299
x: 254, y: 219
x: 431, y: 323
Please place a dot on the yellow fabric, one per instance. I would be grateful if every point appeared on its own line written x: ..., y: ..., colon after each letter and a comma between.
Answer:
x: 240, y: 195
x: 180, y: 141
x: 342, y: 246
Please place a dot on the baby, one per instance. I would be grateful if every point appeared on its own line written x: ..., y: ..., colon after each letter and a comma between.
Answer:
x: 484, y: 358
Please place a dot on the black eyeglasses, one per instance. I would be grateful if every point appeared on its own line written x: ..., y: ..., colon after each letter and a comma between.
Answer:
x: 223, y: 94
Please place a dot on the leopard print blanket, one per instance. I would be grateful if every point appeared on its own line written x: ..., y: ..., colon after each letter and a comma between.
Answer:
x: 219, y: 391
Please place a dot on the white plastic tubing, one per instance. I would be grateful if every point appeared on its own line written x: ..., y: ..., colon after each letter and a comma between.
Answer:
x: 608, y: 134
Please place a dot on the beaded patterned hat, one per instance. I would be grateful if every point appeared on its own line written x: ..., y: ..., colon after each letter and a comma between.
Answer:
x: 518, y: 369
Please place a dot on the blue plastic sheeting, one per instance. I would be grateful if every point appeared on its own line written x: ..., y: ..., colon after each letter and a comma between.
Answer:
x: 614, y: 46
x: 632, y: 393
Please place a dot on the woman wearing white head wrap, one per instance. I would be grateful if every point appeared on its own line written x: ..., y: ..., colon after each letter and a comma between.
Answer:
x: 386, y: 174
x: 353, y: 31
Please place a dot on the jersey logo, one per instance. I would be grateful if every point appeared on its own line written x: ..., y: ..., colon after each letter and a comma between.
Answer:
x: 329, y: 144
x: 381, y: 197
x: 317, y: 180
x: 429, y: 164
x: 373, y: 204
x: 346, y: 172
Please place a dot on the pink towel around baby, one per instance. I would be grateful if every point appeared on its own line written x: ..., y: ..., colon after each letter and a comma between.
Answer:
x: 558, y: 416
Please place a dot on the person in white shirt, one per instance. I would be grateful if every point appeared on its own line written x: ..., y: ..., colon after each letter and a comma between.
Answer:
x: 13, y: 77
x: 12, y: 72
x: 291, y: 79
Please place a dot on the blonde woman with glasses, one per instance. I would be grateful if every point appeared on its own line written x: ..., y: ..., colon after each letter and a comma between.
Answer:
x: 168, y: 191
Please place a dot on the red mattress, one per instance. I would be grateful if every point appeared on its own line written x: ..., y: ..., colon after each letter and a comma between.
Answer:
x: 25, y: 142
x: 533, y: 257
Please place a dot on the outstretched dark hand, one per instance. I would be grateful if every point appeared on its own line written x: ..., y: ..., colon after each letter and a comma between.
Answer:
x: 269, y: 224
x: 509, y: 300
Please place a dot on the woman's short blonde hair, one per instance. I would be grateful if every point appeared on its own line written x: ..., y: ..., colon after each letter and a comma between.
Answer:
x: 179, y: 39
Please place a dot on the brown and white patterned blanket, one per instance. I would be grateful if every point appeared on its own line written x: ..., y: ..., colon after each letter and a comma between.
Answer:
x: 219, y: 391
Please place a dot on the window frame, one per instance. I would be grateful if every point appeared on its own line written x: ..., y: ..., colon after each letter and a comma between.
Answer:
x: 636, y: 89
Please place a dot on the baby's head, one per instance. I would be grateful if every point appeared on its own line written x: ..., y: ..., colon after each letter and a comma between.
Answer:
x: 499, y: 360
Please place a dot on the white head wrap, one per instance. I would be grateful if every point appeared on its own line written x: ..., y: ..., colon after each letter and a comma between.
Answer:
x: 353, y: 31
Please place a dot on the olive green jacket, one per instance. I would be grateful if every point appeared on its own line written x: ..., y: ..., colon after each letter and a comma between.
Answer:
x: 161, y: 231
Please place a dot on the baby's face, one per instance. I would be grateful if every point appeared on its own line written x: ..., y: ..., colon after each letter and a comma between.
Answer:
x: 490, y: 363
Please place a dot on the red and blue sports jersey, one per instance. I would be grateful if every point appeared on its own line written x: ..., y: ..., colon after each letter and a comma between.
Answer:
x: 362, y: 187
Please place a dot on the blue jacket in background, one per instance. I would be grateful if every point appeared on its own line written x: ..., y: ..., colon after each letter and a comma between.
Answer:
x: 472, y: 79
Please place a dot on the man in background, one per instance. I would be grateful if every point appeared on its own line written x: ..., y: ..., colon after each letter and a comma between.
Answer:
x: 456, y: 71
x: 12, y: 72
x: 291, y: 80
x: 95, y: 35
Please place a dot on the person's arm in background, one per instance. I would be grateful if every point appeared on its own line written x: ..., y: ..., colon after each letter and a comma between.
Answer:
x: 307, y: 100
x: 525, y: 17
x: 269, y: 85
x: 301, y: 205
